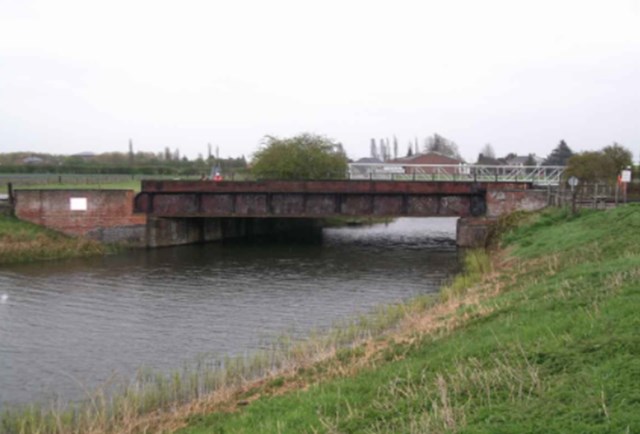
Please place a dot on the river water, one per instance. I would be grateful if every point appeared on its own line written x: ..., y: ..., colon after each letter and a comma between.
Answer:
x: 67, y: 326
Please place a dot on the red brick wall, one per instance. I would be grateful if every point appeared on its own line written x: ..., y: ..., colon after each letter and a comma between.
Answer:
x: 501, y: 199
x: 51, y: 208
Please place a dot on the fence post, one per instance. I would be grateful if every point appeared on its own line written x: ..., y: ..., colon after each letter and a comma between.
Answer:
x: 10, y: 191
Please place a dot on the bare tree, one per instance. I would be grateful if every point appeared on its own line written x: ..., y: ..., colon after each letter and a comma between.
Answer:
x: 374, y: 149
x: 131, y: 156
x: 487, y: 151
x: 443, y: 146
x: 410, y: 150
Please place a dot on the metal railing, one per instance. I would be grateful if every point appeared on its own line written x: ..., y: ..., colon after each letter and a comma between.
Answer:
x: 538, y: 175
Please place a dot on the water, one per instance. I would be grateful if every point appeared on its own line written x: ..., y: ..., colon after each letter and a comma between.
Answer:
x: 67, y: 326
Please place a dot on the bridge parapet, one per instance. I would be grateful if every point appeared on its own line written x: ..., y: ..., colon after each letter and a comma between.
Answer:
x: 537, y: 175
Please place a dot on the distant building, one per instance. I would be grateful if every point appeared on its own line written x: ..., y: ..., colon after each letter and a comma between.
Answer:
x: 524, y: 160
x: 370, y: 160
x: 86, y: 156
x: 369, y: 167
x: 430, y: 158
x: 33, y: 160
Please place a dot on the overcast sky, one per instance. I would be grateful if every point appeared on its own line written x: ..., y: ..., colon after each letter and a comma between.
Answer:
x: 83, y: 75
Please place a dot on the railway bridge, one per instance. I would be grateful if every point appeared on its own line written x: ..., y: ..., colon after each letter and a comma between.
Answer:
x: 181, y: 212
x: 319, y: 199
x: 180, y: 206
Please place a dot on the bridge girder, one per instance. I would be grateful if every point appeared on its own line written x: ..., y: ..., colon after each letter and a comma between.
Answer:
x: 313, y: 199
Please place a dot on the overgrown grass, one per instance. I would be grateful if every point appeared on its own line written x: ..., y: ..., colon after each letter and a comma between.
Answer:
x: 477, y: 264
x: 545, y: 342
x: 22, y: 242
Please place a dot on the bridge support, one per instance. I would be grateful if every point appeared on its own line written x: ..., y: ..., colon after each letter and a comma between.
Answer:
x: 474, y: 232
x: 163, y: 232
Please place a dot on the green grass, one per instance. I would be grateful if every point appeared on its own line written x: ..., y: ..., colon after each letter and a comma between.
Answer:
x: 69, y: 181
x: 22, y: 241
x: 557, y: 350
x: 122, y: 185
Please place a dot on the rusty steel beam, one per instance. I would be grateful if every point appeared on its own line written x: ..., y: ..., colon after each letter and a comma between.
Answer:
x: 342, y: 186
x: 315, y: 199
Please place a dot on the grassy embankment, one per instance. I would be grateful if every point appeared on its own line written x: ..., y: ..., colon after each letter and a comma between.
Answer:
x: 23, y: 242
x: 547, y: 343
x: 540, y: 338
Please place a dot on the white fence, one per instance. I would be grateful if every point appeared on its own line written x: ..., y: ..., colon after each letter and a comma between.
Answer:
x: 539, y: 175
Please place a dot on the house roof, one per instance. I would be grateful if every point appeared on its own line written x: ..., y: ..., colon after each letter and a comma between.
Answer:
x: 370, y: 160
x: 87, y: 154
x: 428, y: 158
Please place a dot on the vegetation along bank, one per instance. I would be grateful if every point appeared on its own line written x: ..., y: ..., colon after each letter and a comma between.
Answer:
x: 539, y: 336
x: 22, y: 241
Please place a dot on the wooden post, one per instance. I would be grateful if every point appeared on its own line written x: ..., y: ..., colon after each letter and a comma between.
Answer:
x: 10, y: 191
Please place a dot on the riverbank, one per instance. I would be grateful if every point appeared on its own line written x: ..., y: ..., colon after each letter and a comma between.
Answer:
x: 541, y: 337
x: 545, y: 342
x: 22, y: 241
x: 25, y: 242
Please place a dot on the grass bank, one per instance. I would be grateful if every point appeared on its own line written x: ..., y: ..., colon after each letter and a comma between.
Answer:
x: 540, y: 337
x: 544, y: 340
x: 23, y: 242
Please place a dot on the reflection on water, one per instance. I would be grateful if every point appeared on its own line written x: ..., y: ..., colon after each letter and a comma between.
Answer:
x: 72, y: 323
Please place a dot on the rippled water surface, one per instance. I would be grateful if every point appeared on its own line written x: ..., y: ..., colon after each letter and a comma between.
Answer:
x: 65, y: 326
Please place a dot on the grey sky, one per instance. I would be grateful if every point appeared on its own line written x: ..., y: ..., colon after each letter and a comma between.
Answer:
x: 82, y: 75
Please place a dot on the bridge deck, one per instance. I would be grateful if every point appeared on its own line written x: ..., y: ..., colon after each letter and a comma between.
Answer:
x: 315, y: 199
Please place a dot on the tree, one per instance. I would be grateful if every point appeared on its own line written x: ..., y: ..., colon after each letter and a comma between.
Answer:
x: 131, y: 157
x: 592, y: 166
x: 374, y: 149
x: 410, y: 150
x: 395, y: 147
x: 559, y: 156
x: 305, y: 156
x: 487, y: 151
x: 620, y: 156
x: 599, y: 166
x: 442, y: 146
x: 531, y: 160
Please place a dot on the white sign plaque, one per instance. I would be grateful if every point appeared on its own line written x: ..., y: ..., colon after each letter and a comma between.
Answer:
x: 78, y: 203
x: 626, y: 176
